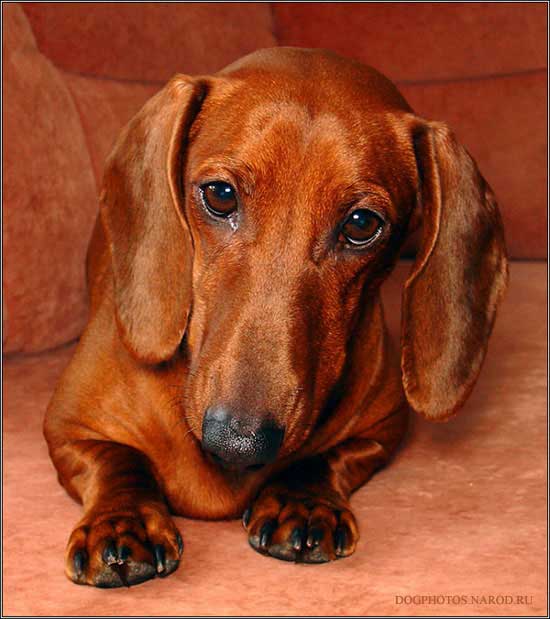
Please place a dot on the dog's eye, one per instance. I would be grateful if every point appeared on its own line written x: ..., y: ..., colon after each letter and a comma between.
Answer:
x: 361, y: 227
x: 219, y: 198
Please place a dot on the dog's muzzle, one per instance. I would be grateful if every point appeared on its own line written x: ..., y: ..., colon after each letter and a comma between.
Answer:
x: 238, y: 442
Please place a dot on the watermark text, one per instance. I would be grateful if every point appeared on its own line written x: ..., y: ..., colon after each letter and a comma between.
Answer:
x: 465, y: 600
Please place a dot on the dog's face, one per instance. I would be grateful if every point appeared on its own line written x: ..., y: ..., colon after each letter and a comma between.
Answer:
x: 295, y: 176
x: 294, y: 210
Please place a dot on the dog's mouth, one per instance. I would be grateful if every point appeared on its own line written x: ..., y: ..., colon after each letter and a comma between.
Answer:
x: 234, y: 467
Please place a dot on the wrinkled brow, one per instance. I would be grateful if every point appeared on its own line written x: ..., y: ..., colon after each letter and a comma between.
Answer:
x: 227, y: 168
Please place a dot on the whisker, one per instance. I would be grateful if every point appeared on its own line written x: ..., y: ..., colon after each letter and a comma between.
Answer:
x: 191, y: 425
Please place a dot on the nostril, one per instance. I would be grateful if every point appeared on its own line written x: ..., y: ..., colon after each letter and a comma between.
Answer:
x: 272, y: 436
x: 240, y: 440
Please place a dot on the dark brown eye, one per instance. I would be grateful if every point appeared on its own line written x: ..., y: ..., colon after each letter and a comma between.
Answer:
x: 361, y: 227
x: 219, y: 198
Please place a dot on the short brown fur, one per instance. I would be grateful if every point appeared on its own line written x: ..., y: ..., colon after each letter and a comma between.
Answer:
x: 272, y: 315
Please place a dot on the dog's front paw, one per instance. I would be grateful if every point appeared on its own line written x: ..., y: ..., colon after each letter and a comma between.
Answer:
x: 300, y: 527
x: 123, y: 547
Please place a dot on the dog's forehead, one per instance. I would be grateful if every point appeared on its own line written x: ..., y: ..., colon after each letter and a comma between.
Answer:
x: 302, y: 84
x: 319, y: 77
x: 314, y: 116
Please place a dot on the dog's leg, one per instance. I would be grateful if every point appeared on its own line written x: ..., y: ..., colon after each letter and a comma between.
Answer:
x: 304, y: 514
x: 126, y: 535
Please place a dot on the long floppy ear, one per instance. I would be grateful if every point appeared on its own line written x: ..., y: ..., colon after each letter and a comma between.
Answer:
x: 142, y: 210
x: 457, y: 280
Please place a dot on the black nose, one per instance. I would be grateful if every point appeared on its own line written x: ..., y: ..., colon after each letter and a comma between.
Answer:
x: 237, y: 440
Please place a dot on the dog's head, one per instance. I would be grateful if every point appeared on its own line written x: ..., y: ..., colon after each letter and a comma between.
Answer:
x: 256, y: 212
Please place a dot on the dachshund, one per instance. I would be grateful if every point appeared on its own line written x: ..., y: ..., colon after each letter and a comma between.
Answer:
x: 235, y: 361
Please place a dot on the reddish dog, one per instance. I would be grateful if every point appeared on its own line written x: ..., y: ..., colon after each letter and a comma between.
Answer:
x: 236, y: 358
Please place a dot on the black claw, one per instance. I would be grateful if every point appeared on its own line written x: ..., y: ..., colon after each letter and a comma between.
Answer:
x: 109, y: 554
x: 160, y: 558
x: 296, y: 539
x: 339, y: 539
x: 124, y: 554
x: 266, y: 532
x: 314, y: 538
x: 179, y: 542
x: 121, y: 571
x: 78, y: 561
x: 246, y: 516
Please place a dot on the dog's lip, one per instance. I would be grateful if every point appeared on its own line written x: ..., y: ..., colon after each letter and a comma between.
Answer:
x: 235, y: 468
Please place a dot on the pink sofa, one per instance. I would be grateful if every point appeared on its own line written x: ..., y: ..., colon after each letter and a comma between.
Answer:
x: 461, y: 511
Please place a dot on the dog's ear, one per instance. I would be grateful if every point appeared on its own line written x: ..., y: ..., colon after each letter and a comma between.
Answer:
x: 458, y: 277
x: 142, y: 211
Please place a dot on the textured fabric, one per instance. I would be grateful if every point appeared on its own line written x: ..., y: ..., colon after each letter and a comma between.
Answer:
x: 502, y: 122
x: 49, y: 198
x: 148, y: 41
x: 105, y: 106
x: 422, y: 41
x: 461, y: 511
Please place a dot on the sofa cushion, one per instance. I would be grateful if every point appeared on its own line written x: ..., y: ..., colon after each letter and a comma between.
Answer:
x: 148, y: 41
x: 422, y: 41
x: 461, y: 511
x: 49, y: 196
x: 502, y: 122
x: 105, y: 106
